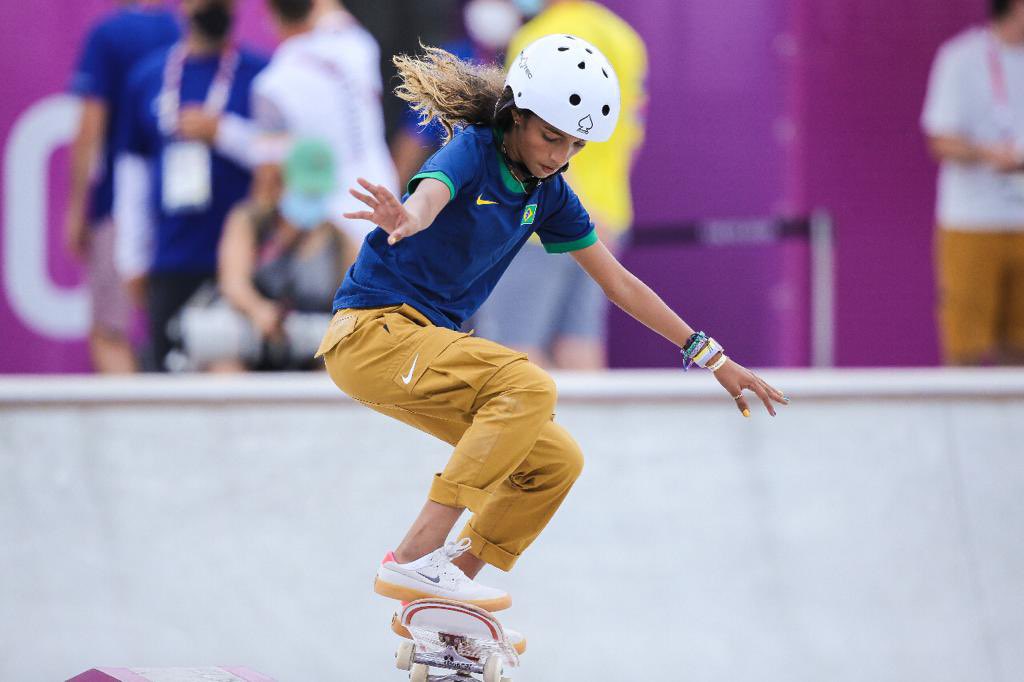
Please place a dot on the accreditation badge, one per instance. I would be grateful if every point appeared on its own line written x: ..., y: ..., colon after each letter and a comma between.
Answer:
x: 187, y: 177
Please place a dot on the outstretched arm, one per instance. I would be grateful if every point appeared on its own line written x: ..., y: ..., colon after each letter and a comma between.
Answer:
x: 397, y: 219
x: 637, y: 299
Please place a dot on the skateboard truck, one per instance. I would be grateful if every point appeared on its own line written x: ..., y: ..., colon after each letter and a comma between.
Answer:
x: 419, y: 663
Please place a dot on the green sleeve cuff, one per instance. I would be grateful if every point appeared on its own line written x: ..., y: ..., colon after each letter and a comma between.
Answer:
x: 437, y: 175
x: 566, y: 247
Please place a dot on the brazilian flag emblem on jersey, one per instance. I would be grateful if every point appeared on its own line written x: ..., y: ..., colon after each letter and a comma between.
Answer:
x: 529, y: 213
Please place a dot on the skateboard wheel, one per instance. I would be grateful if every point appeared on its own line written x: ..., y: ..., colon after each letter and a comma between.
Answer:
x: 403, y: 657
x: 419, y: 673
x: 492, y: 669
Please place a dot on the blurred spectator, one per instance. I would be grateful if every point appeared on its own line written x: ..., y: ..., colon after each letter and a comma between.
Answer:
x: 185, y: 148
x: 489, y: 25
x: 278, y: 268
x: 974, y: 119
x: 564, y: 325
x: 114, y: 45
x: 324, y: 82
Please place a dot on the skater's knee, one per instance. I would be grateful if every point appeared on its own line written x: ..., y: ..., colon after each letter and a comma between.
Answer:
x: 566, y: 453
x: 572, y: 459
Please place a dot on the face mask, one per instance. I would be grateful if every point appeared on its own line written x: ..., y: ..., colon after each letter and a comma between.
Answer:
x: 491, y: 23
x: 529, y: 8
x: 213, y: 20
x: 304, y: 211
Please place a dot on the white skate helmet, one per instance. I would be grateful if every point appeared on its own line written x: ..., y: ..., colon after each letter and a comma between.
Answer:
x: 567, y: 82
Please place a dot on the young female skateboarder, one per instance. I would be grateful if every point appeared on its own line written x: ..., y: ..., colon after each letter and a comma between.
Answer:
x: 393, y: 343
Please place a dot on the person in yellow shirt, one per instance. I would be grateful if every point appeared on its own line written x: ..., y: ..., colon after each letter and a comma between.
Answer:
x: 564, y: 326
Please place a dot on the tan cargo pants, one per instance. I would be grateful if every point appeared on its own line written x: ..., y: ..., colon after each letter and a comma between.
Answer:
x: 512, y: 465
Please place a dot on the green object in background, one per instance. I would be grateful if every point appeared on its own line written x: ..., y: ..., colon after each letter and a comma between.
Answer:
x: 309, y: 168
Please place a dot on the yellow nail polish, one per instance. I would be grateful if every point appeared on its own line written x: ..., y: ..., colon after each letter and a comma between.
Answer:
x: 746, y: 413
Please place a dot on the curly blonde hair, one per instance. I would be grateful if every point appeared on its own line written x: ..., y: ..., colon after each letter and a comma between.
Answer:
x: 438, y: 85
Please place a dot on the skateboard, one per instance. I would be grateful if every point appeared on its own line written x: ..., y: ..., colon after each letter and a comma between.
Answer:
x: 453, y: 636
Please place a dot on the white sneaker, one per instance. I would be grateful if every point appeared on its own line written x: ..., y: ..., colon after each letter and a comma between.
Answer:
x: 436, y: 576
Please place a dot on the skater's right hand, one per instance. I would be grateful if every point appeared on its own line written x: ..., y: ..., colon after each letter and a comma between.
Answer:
x: 388, y: 212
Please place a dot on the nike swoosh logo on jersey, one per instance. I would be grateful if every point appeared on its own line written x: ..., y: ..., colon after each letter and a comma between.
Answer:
x: 480, y: 201
x: 408, y: 377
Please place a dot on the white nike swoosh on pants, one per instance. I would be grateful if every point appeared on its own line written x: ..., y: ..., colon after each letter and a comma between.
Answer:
x: 408, y: 377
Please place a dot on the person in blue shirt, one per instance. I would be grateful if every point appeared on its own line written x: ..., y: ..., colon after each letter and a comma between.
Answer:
x: 111, y: 49
x: 432, y: 260
x: 184, y: 158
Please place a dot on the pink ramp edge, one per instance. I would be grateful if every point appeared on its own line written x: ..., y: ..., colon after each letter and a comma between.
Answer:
x: 108, y: 675
x: 126, y: 675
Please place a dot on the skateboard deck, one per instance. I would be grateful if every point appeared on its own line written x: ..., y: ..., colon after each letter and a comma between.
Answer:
x: 455, y: 637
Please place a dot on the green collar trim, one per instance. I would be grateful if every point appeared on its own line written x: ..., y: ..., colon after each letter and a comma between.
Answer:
x: 510, y: 181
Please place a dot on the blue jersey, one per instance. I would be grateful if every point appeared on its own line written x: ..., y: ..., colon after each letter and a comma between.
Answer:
x: 186, y: 241
x: 449, y: 269
x: 113, y: 47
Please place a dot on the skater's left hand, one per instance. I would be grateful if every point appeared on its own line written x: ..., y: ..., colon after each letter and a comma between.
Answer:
x: 735, y: 378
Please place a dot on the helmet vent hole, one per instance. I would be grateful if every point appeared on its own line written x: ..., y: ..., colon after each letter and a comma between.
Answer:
x: 606, y: 110
x: 519, y: 95
x: 562, y: 49
x: 604, y: 72
x: 574, y: 99
x: 582, y: 65
x: 570, y: 37
x: 589, y: 51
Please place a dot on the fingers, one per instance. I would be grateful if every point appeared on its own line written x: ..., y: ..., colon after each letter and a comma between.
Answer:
x: 379, y: 192
x: 365, y: 198
x: 359, y: 215
x: 765, y: 392
x: 762, y: 393
x: 772, y: 392
x: 741, y: 404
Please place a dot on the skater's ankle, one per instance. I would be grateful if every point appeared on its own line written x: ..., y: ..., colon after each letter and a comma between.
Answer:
x: 404, y: 556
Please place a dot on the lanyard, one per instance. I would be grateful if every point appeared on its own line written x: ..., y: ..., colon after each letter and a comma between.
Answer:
x: 1000, y: 90
x: 169, y: 100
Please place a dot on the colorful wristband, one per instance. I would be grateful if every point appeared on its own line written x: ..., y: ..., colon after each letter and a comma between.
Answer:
x: 707, y: 353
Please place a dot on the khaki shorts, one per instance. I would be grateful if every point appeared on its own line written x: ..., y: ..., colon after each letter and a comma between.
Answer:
x: 111, y: 304
x: 980, y: 277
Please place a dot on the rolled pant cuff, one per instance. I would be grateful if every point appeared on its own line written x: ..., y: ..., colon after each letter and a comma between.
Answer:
x: 452, y: 494
x: 487, y: 551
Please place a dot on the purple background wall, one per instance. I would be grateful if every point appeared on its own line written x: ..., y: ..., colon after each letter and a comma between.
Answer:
x: 787, y: 107
x: 863, y: 69
x: 758, y: 108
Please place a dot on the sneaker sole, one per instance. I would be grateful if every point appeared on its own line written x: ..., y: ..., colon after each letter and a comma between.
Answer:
x: 402, y: 593
x: 402, y: 631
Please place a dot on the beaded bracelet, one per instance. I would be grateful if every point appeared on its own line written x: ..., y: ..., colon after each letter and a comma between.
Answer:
x: 699, y: 349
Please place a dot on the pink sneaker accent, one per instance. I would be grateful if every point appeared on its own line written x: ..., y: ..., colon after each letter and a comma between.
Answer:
x: 390, y: 556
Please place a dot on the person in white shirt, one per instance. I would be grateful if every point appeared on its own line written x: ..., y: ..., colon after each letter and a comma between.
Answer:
x: 324, y: 83
x: 974, y: 119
